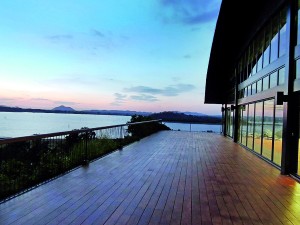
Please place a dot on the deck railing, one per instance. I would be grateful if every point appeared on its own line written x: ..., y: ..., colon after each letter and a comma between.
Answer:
x: 29, y: 161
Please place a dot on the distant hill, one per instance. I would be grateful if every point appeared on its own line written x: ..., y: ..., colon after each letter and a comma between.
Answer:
x: 64, y: 108
x: 166, y: 116
x: 183, y: 118
x: 117, y: 112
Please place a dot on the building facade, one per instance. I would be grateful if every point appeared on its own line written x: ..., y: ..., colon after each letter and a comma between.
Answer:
x: 254, y: 73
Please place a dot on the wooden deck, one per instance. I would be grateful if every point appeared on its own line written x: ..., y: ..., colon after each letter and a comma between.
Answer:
x: 168, y: 178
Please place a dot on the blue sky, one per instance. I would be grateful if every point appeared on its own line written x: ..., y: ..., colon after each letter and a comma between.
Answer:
x: 127, y: 54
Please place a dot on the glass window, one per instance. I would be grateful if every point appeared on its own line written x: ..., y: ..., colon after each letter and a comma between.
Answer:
x: 266, y: 83
x: 231, y: 122
x: 258, y: 86
x: 245, y: 66
x: 298, y: 35
x: 249, y: 90
x: 260, y: 43
x: 268, y: 33
x: 228, y: 121
x: 253, y: 87
x: 250, y: 126
x: 298, y: 69
x: 244, y: 125
x: 282, y: 33
x: 254, y: 52
x: 239, y: 123
x: 250, y: 59
x: 268, y: 129
x: 258, y: 127
x: 273, y: 80
x: 281, y: 76
x: 298, y: 162
x: 274, y: 40
x: 298, y: 171
x: 278, y: 123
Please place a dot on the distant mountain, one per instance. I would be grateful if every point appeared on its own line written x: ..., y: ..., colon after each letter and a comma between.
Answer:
x: 64, y: 108
x: 194, y: 114
x: 117, y: 112
x: 183, y: 118
x: 169, y: 116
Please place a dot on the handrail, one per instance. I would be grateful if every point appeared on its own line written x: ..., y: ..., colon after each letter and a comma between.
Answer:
x: 39, y: 136
x: 28, y: 161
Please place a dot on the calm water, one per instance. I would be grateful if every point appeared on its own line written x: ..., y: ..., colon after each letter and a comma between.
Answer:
x: 18, y: 124
x: 22, y: 124
x: 194, y: 127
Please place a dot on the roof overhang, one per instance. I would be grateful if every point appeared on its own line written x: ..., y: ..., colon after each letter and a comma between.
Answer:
x: 237, y: 23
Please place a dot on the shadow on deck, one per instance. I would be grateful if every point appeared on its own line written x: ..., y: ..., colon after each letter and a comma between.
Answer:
x: 167, y: 178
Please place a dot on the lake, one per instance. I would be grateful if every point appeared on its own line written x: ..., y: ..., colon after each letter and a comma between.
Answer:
x: 18, y: 124
x: 216, y: 128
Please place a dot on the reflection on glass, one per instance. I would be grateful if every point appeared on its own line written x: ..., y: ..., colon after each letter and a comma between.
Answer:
x: 274, y: 41
x: 281, y: 76
x: 258, y: 127
x: 273, y: 80
x: 228, y: 121
x: 298, y: 69
x: 298, y: 171
x: 260, y: 43
x: 278, y: 123
x: 231, y: 122
x: 249, y: 90
x: 240, y: 125
x: 298, y: 33
x: 268, y: 129
x: 253, y: 87
x: 268, y: 33
x: 282, y: 33
x: 250, y: 126
x: 244, y: 125
x: 266, y: 83
x: 258, y: 86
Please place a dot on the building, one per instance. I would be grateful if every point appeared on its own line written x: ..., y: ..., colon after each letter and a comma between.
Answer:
x: 254, y: 72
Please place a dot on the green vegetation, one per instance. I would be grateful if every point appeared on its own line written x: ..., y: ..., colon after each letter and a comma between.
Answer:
x: 28, y: 163
x: 142, y: 130
x: 183, y: 118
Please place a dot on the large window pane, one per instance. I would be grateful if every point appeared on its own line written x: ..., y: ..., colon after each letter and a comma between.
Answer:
x: 255, y: 50
x: 244, y: 125
x: 258, y: 86
x: 258, y: 127
x: 266, y: 83
x: 268, y: 34
x: 228, y: 121
x: 274, y: 40
x: 298, y: 33
x: 273, y: 80
x: 278, y: 134
x: 281, y: 76
x: 268, y: 129
x: 250, y: 126
x: 231, y: 122
x: 298, y: 69
x: 282, y: 33
x: 298, y: 171
x: 260, y: 43
x: 250, y: 60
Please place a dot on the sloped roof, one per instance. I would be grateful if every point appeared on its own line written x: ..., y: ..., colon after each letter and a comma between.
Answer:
x: 237, y: 23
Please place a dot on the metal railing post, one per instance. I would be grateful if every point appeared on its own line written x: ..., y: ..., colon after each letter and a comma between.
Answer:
x: 86, y: 160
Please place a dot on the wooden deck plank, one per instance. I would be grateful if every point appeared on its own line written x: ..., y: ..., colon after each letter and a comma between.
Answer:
x: 168, y: 178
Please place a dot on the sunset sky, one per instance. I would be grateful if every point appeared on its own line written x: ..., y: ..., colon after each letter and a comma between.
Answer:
x: 147, y: 55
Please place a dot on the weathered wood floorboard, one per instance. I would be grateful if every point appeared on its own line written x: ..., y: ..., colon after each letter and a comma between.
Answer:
x: 168, y: 178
